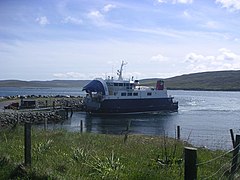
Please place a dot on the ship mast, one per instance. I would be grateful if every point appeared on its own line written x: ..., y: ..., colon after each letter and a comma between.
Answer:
x: 119, y: 72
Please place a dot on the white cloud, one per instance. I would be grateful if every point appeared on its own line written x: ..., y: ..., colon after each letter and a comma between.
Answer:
x: 74, y: 75
x: 224, y: 60
x: 186, y: 14
x: 211, y: 25
x: 231, y: 5
x: 91, y: 75
x: 227, y: 55
x: 42, y: 20
x: 157, y: 31
x: 161, y: 1
x: 159, y: 58
x: 176, y: 1
x: 183, y: 1
x: 72, y: 20
x: 193, y: 58
x: 108, y: 7
x: 236, y: 39
x: 97, y: 17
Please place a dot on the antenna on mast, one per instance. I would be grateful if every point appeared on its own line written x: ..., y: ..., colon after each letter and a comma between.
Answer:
x: 119, y: 72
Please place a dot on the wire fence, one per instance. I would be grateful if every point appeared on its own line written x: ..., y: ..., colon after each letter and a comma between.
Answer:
x: 211, y: 139
x: 223, y: 166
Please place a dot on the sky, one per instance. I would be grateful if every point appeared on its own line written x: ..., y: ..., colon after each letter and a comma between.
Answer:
x: 85, y: 39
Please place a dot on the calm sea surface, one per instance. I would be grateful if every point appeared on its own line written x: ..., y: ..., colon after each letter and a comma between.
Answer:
x: 205, y: 117
x: 12, y: 91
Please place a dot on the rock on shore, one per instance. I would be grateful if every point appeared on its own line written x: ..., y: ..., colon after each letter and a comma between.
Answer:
x: 12, y: 118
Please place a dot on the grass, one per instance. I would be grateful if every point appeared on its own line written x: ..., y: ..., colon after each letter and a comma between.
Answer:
x: 215, y: 81
x: 69, y: 155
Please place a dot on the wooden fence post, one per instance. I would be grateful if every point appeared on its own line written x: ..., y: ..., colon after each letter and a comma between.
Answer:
x: 190, y: 167
x: 235, y: 154
x: 53, y: 105
x: 45, y: 123
x: 27, y: 143
x: 71, y: 112
x: 81, y: 126
x: 178, y: 132
x: 66, y: 109
x: 232, y: 137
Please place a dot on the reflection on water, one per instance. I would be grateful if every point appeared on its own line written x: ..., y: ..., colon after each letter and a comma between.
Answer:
x: 204, y: 117
x: 152, y: 124
x: 139, y: 124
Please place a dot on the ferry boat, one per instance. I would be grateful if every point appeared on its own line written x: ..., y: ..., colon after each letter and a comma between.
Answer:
x: 120, y: 96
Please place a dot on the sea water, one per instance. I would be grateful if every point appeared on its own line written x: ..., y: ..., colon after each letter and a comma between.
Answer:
x: 48, y: 91
x: 204, y: 117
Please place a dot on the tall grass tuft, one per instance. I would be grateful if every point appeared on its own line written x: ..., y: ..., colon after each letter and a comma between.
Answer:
x: 107, y: 167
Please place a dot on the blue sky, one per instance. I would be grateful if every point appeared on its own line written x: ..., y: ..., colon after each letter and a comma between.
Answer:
x: 84, y: 39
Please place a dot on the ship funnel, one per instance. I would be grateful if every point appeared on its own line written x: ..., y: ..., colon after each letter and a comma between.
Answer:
x: 160, y: 85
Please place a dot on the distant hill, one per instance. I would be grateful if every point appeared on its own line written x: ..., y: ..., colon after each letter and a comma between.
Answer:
x: 216, y: 80
x: 54, y: 83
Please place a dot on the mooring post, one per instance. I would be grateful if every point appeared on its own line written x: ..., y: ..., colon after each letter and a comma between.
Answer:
x: 235, y: 155
x: 190, y: 171
x: 178, y: 132
x: 27, y: 143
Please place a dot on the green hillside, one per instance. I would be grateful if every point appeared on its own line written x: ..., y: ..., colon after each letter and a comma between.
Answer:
x: 217, y: 80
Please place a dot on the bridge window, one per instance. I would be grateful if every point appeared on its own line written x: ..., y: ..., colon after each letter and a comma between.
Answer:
x: 149, y: 94
x: 135, y: 94
x: 109, y: 84
x: 123, y: 94
x: 129, y: 94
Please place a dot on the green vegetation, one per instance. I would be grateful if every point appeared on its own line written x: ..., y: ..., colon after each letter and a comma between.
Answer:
x: 68, y: 155
x: 217, y: 81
